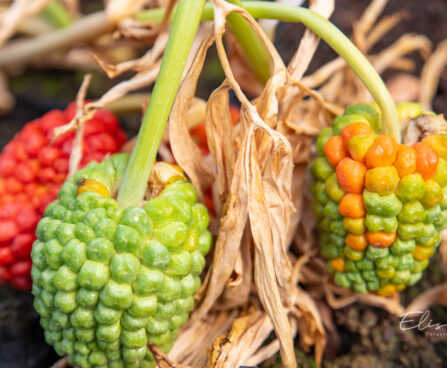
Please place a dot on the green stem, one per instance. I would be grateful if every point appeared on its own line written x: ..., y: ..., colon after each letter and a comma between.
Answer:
x: 184, y: 28
x: 252, y: 46
x: 333, y: 36
x: 57, y: 14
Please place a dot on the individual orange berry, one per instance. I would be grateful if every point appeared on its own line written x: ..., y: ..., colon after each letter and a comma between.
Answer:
x: 356, y: 242
x: 352, y: 206
x: 387, y: 290
x: 382, y: 180
x: 338, y: 264
x: 335, y: 150
x: 351, y: 175
x: 354, y: 129
x: 380, y: 239
x: 426, y: 161
x: 382, y: 153
x: 406, y: 160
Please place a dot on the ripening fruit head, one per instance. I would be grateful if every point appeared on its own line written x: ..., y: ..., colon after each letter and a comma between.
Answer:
x: 380, y: 205
x: 107, y: 279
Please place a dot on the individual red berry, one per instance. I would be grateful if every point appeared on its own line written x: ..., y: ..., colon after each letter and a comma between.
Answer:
x: 8, y: 230
x: 13, y: 186
x: 21, y: 268
x: 25, y: 173
x: 7, y: 165
x: 21, y: 245
x: 27, y: 219
x: 47, y: 155
x: 102, y: 142
x: 61, y: 165
x: 6, y: 256
x: 34, y: 142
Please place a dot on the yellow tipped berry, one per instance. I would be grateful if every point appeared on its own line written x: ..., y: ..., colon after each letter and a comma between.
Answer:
x: 386, y: 274
x: 338, y: 264
x: 387, y: 290
x: 359, y: 145
x: 354, y: 225
x: 382, y: 180
x: 422, y: 253
x: 91, y: 185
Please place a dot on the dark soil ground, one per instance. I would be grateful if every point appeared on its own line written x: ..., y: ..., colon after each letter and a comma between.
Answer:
x: 369, y: 337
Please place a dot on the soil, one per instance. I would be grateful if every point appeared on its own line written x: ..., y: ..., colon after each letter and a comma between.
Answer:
x: 368, y: 337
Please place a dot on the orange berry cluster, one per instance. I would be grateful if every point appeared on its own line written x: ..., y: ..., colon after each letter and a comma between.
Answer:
x: 380, y: 204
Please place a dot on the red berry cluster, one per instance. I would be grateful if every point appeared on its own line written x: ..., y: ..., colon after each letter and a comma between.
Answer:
x: 32, y: 171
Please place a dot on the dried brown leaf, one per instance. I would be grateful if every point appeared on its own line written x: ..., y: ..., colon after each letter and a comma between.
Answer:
x: 196, y: 337
x: 308, y: 44
x: 185, y: 151
x: 243, y: 340
x: 162, y: 359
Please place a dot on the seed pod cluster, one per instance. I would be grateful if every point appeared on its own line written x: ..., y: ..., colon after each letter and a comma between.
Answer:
x: 32, y: 170
x: 380, y: 205
x: 106, y: 279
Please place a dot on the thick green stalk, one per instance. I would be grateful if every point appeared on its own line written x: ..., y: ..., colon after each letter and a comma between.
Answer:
x: 184, y: 28
x: 334, y: 37
x: 57, y: 14
x: 252, y: 46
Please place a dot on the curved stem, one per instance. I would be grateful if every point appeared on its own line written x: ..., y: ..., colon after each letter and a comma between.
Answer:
x: 186, y: 22
x: 57, y: 14
x: 331, y: 35
x: 252, y: 46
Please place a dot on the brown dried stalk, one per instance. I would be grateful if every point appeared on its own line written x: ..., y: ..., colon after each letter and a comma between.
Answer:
x: 76, y: 150
x: 85, y: 29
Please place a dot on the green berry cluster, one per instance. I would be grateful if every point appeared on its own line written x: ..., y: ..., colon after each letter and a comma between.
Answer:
x: 107, y: 280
